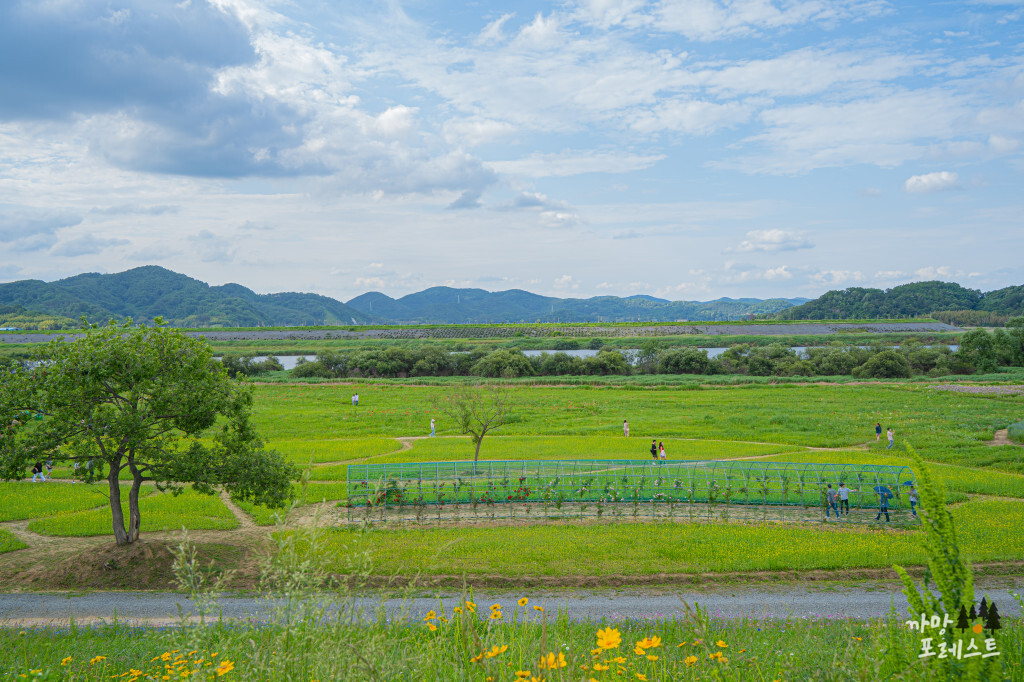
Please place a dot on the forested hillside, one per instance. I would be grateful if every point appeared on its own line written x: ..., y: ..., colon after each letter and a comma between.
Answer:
x: 151, y: 291
x: 946, y: 301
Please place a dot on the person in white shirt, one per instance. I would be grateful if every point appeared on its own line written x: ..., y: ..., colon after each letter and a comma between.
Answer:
x: 844, y: 499
x: 432, y: 428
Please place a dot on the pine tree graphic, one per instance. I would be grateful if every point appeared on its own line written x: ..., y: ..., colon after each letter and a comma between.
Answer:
x: 992, y: 622
x: 961, y: 622
x: 974, y: 614
x: 983, y: 610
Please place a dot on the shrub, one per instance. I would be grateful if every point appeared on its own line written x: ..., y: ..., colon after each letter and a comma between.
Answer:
x: 888, y: 364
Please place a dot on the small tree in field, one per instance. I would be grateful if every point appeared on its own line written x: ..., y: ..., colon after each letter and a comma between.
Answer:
x: 476, y: 410
x: 149, y: 402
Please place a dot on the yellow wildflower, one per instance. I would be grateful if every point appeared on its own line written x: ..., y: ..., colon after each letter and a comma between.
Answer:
x: 96, y: 659
x: 471, y: 607
x: 457, y: 609
x: 598, y: 667
x: 65, y: 661
x: 476, y: 659
x: 652, y: 658
x: 225, y: 667
x: 620, y: 660
x: 649, y: 642
x: 681, y: 644
x: 539, y: 608
x: 431, y: 627
x: 495, y: 615
x: 609, y: 638
x: 495, y: 607
x: 430, y: 616
x: 496, y: 651
x: 641, y: 677
x: 721, y: 644
x: 690, y: 660
x: 524, y: 601
x: 522, y: 674
x: 639, y: 650
x: 552, y: 662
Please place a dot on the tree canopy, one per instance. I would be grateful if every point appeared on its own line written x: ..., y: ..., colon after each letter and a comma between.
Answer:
x: 144, y: 403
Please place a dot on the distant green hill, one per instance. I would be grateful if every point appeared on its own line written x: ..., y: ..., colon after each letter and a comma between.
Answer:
x: 908, y: 300
x: 151, y: 291
x: 445, y: 305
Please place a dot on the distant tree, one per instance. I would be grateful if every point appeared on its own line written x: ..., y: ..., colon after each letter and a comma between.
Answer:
x: 978, y: 349
x: 148, y: 402
x: 887, y: 364
x: 687, y: 361
x: 503, y: 363
x: 476, y: 410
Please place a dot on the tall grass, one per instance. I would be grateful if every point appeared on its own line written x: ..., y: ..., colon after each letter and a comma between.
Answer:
x: 159, y: 511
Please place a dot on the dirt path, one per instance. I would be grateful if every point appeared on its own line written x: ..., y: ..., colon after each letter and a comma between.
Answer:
x: 1002, y: 437
x: 245, y: 521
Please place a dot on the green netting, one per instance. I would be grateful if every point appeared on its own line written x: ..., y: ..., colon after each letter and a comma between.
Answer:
x: 560, y: 488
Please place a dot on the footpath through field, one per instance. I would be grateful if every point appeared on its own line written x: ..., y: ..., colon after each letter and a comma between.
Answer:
x: 741, y: 602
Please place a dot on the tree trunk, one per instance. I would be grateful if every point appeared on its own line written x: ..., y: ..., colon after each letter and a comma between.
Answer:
x: 120, y: 536
x: 134, y: 517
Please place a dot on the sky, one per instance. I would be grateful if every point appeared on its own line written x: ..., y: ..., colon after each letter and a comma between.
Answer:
x: 685, y: 149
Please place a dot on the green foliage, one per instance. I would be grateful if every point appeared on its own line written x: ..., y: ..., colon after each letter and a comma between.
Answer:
x: 907, y: 300
x: 1015, y: 432
x: 9, y: 543
x: 147, y: 401
x: 888, y: 364
x: 246, y: 365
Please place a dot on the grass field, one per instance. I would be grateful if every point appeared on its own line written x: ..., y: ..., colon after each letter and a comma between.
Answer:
x: 9, y: 543
x: 159, y: 511
x: 315, y: 450
x: 22, y: 500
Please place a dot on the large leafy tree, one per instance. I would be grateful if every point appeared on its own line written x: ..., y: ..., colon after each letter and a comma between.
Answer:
x: 147, y: 404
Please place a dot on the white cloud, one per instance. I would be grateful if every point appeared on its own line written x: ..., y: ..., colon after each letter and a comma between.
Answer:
x: 773, y: 240
x: 565, y: 282
x: 1003, y: 145
x: 932, y: 272
x: 837, y: 278
x: 494, y: 31
x: 931, y: 182
x: 376, y: 283
x: 569, y: 163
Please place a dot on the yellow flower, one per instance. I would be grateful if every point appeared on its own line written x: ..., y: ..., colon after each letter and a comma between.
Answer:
x: 620, y: 660
x: 609, y: 638
x: 858, y: 639
x: 96, y: 659
x: 539, y: 608
x: 471, y: 607
x: 477, y: 658
x: 457, y: 609
x: 224, y: 668
x: 537, y: 679
x: 430, y: 616
x: 721, y: 644
x: 690, y: 660
x: 495, y: 607
x: 598, y: 667
x: 651, y: 658
x: 717, y: 654
x: 165, y: 656
x: 596, y: 652
x: 641, y: 677
x: 496, y: 651
x: 639, y: 651
x: 431, y: 627
x: 65, y: 661
x: 495, y: 615
x: 524, y: 601
x: 681, y: 644
x: 649, y: 642
x: 551, y: 662
x: 523, y: 674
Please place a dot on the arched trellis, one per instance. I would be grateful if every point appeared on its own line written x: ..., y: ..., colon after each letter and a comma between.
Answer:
x: 741, y: 489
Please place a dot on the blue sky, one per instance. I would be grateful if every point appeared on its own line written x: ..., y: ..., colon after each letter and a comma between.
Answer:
x: 687, y: 149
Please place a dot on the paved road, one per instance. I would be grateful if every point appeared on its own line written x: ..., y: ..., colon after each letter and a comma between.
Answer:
x: 741, y: 602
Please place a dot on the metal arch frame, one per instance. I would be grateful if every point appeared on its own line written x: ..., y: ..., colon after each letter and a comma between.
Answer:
x: 583, y: 486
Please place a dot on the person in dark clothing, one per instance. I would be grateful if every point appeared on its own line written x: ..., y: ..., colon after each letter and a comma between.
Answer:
x: 654, y: 449
x: 883, y: 507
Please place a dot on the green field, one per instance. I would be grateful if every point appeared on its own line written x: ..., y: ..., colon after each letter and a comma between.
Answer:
x: 9, y: 543
x: 159, y: 511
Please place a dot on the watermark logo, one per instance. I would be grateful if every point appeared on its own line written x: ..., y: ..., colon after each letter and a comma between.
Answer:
x: 969, y: 624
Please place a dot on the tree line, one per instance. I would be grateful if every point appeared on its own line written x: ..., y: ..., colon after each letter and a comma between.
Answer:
x: 980, y: 352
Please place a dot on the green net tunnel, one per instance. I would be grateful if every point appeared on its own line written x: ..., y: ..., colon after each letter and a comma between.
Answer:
x: 589, y: 487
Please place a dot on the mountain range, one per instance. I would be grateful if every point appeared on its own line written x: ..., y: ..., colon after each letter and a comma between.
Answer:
x: 150, y: 291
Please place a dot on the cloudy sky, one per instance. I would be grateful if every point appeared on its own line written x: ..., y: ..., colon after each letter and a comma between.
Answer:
x: 687, y: 149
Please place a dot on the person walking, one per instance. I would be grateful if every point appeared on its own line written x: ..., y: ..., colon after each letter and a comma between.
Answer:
x: 49, y: 467
x: 37, y: 470
x: 625, y: 428
x: 654, y: 449
x: 878, y: 431
x: 830, y: 502
x: 883, y: 507
x: 661, y: 452
x: 844, y: 499
x: 912, y: 496
x: 355, y: 400
x: 890, y: 434
x: 432, y: 433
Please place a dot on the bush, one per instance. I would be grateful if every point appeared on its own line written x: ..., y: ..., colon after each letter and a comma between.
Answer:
x: 887, y: 364
x: 687, y: 361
